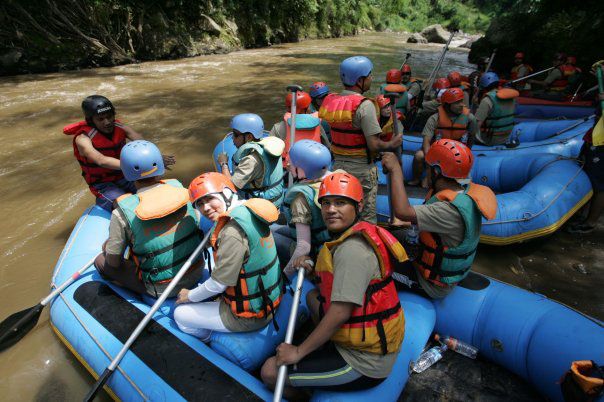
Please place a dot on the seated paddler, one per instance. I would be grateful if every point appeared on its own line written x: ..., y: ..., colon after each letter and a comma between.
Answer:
x: 158, y: 223
x: 449, y: 222
x: 359, y: 320
x: 258, y: 171
x: 246, y: 285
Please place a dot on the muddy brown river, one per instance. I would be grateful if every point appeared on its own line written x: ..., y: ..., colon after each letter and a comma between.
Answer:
x: 185, y: 107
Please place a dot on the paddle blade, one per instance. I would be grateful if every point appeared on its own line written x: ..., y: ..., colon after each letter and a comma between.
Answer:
x: 16, y: 326
x: 598, y: 134
x: 98, y: 385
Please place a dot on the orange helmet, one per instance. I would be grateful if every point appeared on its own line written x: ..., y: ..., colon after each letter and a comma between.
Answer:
x: 341, y: 185
x: 453, y: 158
x: 393, y: 76
x: 382, y: 101
x: 519, y: 55
x: 302, y: 100
x: 452, y: 95
x: 209, y: 183
x: 406, y: 69
x: 454, y: 78
x: 441, y: 83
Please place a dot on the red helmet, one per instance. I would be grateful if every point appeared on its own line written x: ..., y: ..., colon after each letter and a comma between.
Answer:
x: 519, y: 55
x: 209, y: 183
x: 341, y: 185
x: 452, y: 95
x: 571, y: 60
x: 406, y: 69
x: 393, y: 76
x: 454, y: 78
x: 454, y: 158
x: 302, y: 100
x: 382, y: 101
x: 441, y: 83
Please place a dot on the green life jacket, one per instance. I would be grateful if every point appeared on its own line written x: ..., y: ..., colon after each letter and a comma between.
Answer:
x: 318, y: 230
x: 451, y: 265
x: 272, y: 182
x: 260, y: 285
x: 162, y: 245
x: 500, y: 121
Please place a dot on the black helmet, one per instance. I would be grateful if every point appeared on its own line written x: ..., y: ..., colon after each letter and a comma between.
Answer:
x: 96, y: 104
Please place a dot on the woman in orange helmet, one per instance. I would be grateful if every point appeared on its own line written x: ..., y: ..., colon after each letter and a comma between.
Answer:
x: 449, y: 222
x: 348, y: 350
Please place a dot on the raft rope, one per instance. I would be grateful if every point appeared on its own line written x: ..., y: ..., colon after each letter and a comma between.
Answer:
x: 532, y: 216
x: 89, y: 332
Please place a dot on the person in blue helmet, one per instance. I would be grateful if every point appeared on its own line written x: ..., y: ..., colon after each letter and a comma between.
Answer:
x: 495, y: 113
x: 158, y: 223
x: 318, y: 91
x: 309, y: 163
x: 258, y: 171
x: 356, y: 131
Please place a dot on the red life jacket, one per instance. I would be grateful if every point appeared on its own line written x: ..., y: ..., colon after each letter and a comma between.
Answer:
x: 515, y: 69
x: 339, y: 111
x: 378, y: 326
x: 111, y: 147
x: 561, y: 83
x: 313, y: 134
x: 451, y: 129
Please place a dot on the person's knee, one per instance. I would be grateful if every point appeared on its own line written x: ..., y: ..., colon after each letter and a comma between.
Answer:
x: 419, y: 155
x: 268, y: 372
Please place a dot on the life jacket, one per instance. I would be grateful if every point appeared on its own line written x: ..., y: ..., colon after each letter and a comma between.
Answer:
x: 260, y: 285
x: 111, y: 147
x: 567, y: 71
x: 270, y: 150
x: 388, y: 128
x: 500, y: 121
x: 451, y: 129
x: 405, y: 98
x: 516, y: 71
x: 308, y: 127
x: 164, y: 229
x: 443, y: 265
x: 584, y: 382
x: 339, y: 111
x: 379, y: 325
x: 318, y: 231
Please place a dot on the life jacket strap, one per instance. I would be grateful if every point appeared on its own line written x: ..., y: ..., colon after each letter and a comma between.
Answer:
x: 172, y: 246
x: 260, y: 271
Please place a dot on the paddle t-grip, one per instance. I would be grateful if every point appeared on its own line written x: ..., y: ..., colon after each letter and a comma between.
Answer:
x: 294, y: 88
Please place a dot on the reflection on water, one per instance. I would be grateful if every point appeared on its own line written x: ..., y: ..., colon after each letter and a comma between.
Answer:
x: 185, y: 106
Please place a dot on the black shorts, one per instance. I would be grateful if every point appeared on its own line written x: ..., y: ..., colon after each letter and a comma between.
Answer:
x: 325, y: 368
x: 594, y: 165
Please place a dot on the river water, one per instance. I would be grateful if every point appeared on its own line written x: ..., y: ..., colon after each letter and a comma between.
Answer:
x: 185, y: 107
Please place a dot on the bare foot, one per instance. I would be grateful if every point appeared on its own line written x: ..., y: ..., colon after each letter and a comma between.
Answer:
x: 425, y: 183
x: 413, y: 182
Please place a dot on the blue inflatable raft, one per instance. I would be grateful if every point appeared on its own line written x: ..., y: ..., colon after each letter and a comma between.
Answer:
x: 94, y: 318
x: 533, y: 108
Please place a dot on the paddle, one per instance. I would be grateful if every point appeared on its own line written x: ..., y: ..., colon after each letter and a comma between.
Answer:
x: 16, y: 326
x: 393, y: 92
x: 292, y: 132
x: 510, y: 83
x: 405, y: 61
x: 486, y: 70
x: 289, y: 334
x: 141, y: 326
x: 583, y: 120
x: 598, y: 131
x: 576, y: 92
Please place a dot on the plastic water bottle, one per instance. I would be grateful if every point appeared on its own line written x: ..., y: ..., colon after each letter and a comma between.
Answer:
x: 412, y: 241
x: 428, y: 358
x: 514, y: 140
x: 457, y: 346
x: 464, y: 138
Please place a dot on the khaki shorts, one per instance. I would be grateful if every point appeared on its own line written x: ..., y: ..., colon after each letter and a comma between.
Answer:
x: 368, y: 176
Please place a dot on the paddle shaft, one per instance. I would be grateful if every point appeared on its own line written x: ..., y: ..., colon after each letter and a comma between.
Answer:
x: 571, y: 127
x: 529, y: 76
x: 141, y: 326
x: 491, y: 61
x: 576, y: 92
x: 289, y: 334
x: 405, y: 61
x: 292, y: 131
x: 432, y: 76
x: 398, y: 151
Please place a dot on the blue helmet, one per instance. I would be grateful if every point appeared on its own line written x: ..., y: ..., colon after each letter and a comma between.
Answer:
x: 312, y: 157
x: 354, y: 68
x: 248, y: 123
x: 318, y: 89
x: 141, y: 159
x: 488, y: 79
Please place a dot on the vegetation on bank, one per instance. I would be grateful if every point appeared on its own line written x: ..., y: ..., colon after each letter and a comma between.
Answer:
x: 540, y: 28
x: 50, y: 35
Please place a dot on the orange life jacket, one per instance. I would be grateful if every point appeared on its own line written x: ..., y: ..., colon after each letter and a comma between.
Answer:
x: 339, y: 111
x: 561, y: 83
x: 302, y: 133
x: 379, y: 325
x: 446, y: 266
x: 111, y: 147
x: 451, y: 129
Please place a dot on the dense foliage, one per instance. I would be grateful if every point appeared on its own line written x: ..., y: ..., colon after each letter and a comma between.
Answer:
x: 541, y: 28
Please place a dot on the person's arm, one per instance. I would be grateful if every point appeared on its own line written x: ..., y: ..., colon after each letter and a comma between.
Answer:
x: 116, y: 242
x: 473, y: 130
x: 376, y: 145
x: 88, y: 151
x: 369, y: 124
x: 206, y: 290
x: 483, y: 111
x: 249, y: 169
x: 303, y: 245
x: 131, y: 134
x: 428, y: 132
x: 401, y: 206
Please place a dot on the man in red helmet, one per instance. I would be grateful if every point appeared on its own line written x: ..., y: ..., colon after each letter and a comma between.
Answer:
x: 555, y: 85
x: 456, y: 81
x: 452, y: 120
x: 520, y: 69
x: 413, y: 85
x: 360, y: 323
x: 449, y: 222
